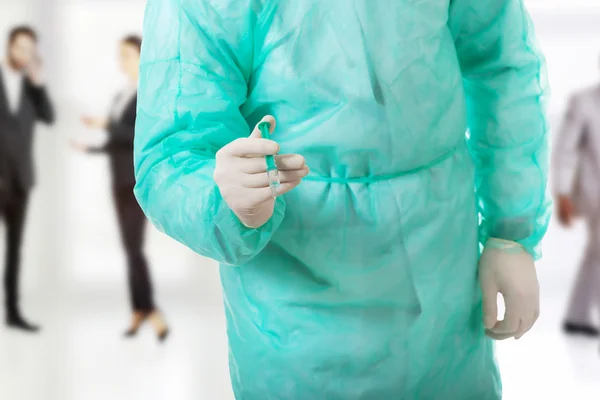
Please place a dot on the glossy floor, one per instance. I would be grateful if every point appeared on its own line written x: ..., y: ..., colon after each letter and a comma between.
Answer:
x: 81, y: 355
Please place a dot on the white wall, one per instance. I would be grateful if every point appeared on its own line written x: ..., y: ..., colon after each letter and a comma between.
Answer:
x: 72, y: 238
x: 568, y: 31
x: 40, y: 243
x: 89, y: 33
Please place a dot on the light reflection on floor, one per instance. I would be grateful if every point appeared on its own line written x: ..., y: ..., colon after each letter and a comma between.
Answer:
x: 81, y: 355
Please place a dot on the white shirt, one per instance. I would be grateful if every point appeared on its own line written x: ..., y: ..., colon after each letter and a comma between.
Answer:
x: 121, y: 103
x: 13, y: 85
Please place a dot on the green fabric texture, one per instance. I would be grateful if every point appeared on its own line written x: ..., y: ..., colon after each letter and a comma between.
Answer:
x: 423, y: 123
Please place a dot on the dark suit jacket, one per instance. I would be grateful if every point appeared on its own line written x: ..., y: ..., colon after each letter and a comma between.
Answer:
x: 16, y: 132
x: 120, y: 146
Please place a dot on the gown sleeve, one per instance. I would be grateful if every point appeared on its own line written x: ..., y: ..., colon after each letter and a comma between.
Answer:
x: 505, y: 83
x: 196, y: 62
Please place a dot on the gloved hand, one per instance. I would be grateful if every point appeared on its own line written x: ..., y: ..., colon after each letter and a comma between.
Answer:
x: 241, y: 175
x: 566, y: 210
x: 506, y: 267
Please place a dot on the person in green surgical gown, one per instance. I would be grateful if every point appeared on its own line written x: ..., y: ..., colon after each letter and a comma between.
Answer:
x: 412, y: 148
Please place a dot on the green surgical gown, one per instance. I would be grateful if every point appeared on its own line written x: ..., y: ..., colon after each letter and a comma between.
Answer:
x: 423, y: 123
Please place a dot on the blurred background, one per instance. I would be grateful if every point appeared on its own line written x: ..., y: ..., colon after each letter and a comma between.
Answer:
x: 74, y: 276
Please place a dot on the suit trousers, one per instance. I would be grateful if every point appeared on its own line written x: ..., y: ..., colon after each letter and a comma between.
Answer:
x: 132, y: 223
x: 13, y: 210
x: 586, y: 292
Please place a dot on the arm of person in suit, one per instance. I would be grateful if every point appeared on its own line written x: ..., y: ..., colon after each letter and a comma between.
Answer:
x: 121, y: 133
x: 44, y: 109
x: 97, y: 149
x: 84, y: 148
x: 120, y: 137
x: 566, y: 158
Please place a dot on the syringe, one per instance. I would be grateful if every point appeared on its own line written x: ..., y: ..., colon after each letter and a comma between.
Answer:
x: 272, y: 173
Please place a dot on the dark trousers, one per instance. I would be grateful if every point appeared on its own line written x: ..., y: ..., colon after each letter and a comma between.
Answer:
x: 132, y: 223
x: 13, y: 210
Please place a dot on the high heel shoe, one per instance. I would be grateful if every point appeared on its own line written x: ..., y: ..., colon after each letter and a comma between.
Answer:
x: 162, y: 336
x: 160, y: 326
x: 138, y: 320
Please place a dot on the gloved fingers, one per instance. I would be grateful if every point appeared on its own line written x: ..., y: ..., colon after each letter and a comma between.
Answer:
x: 246, y: 147
x: 516, y: 307
x: 509, y: 325
x: 530, y: 318
x: 289, y: 162
x: 498, y: 336
x: 536, y: 314
x: 258, y: 165
x: 292, y: 176
x: 266, y: 195
x: 526, y: 325
x: 261, y: 180
x: 490, y: 305
x: 267, y: 118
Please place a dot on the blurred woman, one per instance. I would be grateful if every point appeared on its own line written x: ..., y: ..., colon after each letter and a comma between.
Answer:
x: 120, y: 126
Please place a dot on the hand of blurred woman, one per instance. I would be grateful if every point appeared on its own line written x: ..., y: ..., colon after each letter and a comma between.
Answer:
x: 94, y: 122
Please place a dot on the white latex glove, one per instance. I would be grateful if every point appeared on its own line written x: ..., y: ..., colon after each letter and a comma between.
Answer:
x: 506, y: 267
x: 241, y: 175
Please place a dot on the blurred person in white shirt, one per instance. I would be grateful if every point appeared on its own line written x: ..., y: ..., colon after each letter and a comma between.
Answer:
x: 577, y: 191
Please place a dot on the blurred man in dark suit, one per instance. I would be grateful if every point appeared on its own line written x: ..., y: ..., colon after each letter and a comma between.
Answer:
x: 23, y: 101
x: 577, y: 188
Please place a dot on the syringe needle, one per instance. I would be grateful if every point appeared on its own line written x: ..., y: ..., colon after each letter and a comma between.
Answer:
x: 272, y: 173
